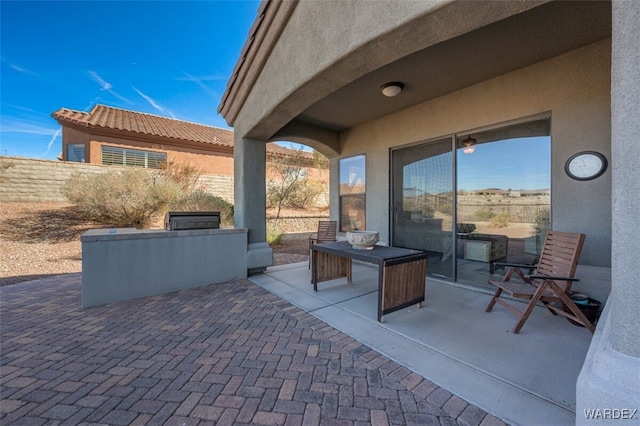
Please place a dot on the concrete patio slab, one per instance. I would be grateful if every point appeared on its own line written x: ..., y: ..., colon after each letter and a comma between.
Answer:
x: 527, y: 378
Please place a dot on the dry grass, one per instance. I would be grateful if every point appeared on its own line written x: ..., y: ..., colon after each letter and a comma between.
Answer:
x: 39, y: 240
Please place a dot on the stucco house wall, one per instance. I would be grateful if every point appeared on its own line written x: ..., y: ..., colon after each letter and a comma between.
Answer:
x: 574, y: 88
x: 208, y: 148
x: 207, y: 161
x: 218, y: 164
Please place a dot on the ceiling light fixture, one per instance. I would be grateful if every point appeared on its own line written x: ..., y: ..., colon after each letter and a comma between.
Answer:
x: 391, y: 89
x: 468, y: 145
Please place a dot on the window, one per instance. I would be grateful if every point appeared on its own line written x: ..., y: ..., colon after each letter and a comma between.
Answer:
x: 112, y: 155
x: 296, y: 172
x: 75, y: 153
x: 352, y: 193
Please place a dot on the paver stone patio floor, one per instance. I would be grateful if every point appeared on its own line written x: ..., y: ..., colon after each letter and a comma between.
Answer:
x: 230, y: 353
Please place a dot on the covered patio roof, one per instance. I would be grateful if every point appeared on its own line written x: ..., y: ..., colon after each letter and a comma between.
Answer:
x: 433, y: 55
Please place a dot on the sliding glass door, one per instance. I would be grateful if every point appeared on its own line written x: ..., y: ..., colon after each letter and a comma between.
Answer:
x: 423, y: 202
x: 503, y: 197
x: 501, y: 208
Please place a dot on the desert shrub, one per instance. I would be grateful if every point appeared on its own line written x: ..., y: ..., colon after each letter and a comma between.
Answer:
x: 300, y: 194
x: 203, y: 201
x: 542, y: 222
x: 428, y: 211
x: 288, y: 187
x: 500, y: 220
x: 304, y: 194
x: 484, y: 214
x: 274, y: 235
x: 4, y: 166
x: 445, y: 208
x: 183, y: 174
x: 123, y: 198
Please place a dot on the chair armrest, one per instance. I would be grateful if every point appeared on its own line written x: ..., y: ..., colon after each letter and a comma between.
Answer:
x: 313, y: 239
x: 515, y: 265
x: 516, y: 269
x: 549, y: 277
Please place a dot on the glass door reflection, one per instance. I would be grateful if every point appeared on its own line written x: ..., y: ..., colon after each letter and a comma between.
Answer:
x: 503, y: 198
x: 422, y: 198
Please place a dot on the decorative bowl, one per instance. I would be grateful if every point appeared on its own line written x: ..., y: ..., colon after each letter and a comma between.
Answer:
x: 363, y: 240
x: 579, y: 298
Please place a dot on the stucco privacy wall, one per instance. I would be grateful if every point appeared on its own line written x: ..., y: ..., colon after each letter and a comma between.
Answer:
x: 126, y: 263
x: 574, y: 88
x: 40, y: 180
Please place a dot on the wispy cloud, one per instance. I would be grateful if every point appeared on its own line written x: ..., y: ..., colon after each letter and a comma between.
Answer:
x: 18, y: 107
x: 107, y: 87
x: 200, y: 81
x: 22, y: 70
x: 14, y: 125
x: 154, y: 104
x: 25, y: 135
x: 51, y: 141
x: 18, y: 68
x: 92, y: 103
x: 189, y: 77
x: 103, y: 84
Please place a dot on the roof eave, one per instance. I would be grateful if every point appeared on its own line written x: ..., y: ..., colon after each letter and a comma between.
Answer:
x: 273, y: 16
x: 146, y: 138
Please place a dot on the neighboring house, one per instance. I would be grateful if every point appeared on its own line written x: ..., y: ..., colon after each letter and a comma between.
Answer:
x: 113, y: 136
x: 398, y: 95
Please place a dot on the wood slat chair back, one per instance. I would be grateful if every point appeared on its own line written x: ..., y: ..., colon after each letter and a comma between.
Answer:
x: 327, y: 230
x: 560, y: 255
x: 550, y: 283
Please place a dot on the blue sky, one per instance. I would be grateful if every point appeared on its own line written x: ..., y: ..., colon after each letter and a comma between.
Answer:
x: 169, y: 58
x: 520, y: 163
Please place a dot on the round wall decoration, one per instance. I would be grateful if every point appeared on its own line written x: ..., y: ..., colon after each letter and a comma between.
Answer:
x: 586, y: 165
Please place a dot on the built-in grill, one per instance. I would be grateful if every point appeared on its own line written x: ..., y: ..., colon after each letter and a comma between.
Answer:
x: 178, y: 221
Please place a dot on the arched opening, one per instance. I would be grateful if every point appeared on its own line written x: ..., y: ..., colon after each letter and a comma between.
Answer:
x: 297, y: 197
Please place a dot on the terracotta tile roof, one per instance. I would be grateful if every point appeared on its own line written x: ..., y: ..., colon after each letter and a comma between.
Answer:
x: 109, y: 118
x: 104, y: 117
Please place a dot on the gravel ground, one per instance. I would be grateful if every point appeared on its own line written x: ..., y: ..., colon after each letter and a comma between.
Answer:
x: 42, y: 239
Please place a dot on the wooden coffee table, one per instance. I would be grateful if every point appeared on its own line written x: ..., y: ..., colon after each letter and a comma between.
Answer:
x: 401, y: 272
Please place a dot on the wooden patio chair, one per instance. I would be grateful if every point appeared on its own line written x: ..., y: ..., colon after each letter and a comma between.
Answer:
x: 327, y: 230
x: 550, y: 283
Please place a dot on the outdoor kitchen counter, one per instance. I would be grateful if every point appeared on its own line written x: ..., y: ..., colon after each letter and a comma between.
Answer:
x: 401, y: 272
x: 126, y: 263
x: 108, y: 234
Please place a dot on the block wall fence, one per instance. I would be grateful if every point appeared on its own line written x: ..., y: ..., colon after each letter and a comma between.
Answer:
x: 32, y: 180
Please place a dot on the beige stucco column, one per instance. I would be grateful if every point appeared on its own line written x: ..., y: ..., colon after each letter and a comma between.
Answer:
x: 250, y: 199
x: 610, y: 378
x: 625, y: 149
